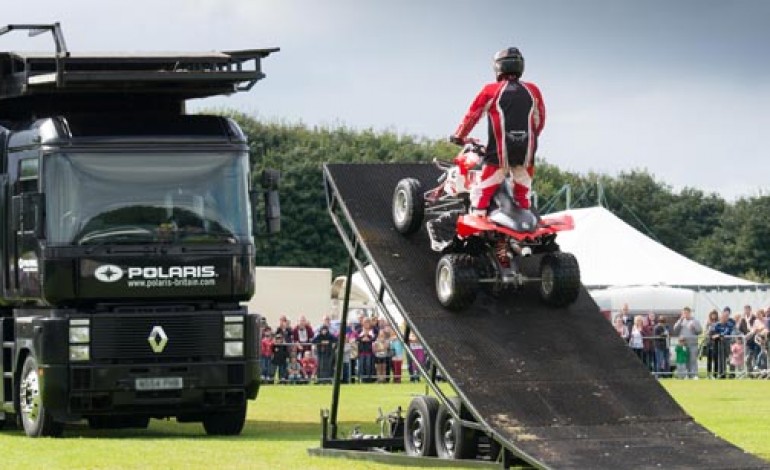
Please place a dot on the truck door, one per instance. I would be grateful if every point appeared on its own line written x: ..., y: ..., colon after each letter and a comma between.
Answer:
x: 27, y: 220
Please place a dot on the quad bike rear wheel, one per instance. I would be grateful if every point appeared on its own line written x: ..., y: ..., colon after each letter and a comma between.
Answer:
x: 559, y: 279
x: 408, y: 206
x: 457, y: 280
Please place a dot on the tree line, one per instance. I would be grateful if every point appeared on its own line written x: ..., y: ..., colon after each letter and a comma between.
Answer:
x: 728, y: 236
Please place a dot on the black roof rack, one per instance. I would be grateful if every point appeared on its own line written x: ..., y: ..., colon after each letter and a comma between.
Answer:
x: 176, y: 76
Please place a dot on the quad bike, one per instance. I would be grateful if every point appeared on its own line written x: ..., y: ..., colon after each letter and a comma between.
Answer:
x: 484, y: 252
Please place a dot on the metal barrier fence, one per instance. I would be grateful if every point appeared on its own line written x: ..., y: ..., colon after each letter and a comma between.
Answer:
x: 735, y: 356
x: 291, y: 365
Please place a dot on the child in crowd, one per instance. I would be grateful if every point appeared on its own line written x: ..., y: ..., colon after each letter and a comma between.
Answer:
x: 294, y: 371
x: 381, y: 348
x: 309, y: 365
x: 737, y: 356
x: 419, y: 354
x: 266, y: 355
x: 397, y: 355
x: 682, y: 353
x: 280, y: 358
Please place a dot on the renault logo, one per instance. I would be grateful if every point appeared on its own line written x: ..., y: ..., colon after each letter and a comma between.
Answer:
x: 157, y: 339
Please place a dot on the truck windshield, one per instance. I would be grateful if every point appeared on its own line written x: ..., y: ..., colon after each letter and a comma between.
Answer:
x: 124, y: 198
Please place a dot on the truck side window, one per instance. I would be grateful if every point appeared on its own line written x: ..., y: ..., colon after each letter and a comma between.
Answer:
x: 28, y: 173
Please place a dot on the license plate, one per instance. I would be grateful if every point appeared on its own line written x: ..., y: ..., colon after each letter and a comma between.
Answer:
x: 159, y: 383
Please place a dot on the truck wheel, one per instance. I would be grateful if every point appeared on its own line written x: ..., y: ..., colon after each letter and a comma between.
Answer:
x: 457, y: 280
x: 408, y: 206
x: 559, y: 279
x: 35, y: 418
x: 419, y: 427
x: 453, y: 441
x: 226, y: 423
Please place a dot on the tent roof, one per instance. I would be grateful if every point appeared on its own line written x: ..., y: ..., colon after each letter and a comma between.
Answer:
x: 612, y: 253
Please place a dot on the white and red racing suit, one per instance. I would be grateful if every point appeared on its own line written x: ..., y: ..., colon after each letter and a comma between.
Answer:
x: 516, y: 116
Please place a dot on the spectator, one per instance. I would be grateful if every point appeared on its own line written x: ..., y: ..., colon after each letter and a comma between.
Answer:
x: 397, y: 357
x: 284, y: 330
x: 753, y: 348
x: 365, y: 340
x: 347, y: 353
x: 294, y: 371
x: 280, y: 357
x: 636, y: 341
x: 661, y: 347
x: 742, y: 320
x: 689, y: 328
x: 327, y: 322
x: 419, y: 354
x: 353, y: 342
x: 627, y: 318
x: 737, y: 357
x: 309, y: 365
x: 302, y: 335
x: 682, y: 352
x: 711, y: 346
x: 721, y: 334
x: 648, y: 343
x: 621, y: 328
x: 381, y: 348
x: 325, y: 345
x: 266, y: 354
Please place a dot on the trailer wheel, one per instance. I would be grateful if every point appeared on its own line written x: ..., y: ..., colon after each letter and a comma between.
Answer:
x: 559, y: 279
x: 226, y: 423
x: 454, y: 441
x: 35, y: 418
x: 419, y: 427
x: 408, y: 206
x: 457, y: 280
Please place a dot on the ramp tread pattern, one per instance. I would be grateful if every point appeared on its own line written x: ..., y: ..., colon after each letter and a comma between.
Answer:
x: 557, y: 383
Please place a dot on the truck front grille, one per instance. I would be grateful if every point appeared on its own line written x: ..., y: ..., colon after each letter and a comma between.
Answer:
x: 127, y: 337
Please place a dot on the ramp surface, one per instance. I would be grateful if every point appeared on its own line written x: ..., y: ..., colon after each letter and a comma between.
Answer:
x: 558, y: 385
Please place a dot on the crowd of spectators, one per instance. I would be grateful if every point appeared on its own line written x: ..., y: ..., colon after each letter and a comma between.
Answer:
x: 302, y: 354
x: 730, y: 344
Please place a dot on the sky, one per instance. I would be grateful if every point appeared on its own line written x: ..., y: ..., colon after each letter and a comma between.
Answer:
x: 679, y: 88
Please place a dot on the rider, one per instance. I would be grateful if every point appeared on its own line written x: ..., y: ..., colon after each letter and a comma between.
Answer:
x: 516, y: 116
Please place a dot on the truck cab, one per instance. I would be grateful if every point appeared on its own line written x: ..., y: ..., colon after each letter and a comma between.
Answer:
x: 127, y: 240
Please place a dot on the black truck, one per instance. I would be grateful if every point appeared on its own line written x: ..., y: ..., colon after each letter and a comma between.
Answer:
x: 126, y: 240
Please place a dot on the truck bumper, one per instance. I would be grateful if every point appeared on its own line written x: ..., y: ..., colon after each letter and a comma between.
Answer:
x: 186, y: 391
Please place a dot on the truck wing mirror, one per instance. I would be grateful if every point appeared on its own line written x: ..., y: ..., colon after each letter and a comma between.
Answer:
x: 270, y: 181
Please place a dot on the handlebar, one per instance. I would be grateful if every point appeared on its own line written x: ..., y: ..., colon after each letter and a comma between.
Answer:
x: 474, y: 144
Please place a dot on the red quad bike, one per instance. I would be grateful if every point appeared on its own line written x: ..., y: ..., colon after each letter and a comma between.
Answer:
x: 484, y: 252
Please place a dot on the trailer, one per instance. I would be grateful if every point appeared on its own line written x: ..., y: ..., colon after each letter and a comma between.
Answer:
x: 522, y: 382
x: 127, y: 240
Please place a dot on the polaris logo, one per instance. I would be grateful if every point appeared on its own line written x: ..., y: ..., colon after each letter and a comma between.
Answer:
x: 172, y: 272
x: 108, y: 273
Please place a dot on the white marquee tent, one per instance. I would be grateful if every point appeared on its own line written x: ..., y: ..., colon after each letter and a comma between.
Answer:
x: 613, y: 254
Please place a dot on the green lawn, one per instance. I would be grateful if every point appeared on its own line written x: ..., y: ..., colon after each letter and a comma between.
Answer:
x: 285, y: 421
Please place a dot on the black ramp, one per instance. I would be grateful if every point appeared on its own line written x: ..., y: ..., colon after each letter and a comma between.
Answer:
x: 558, y: 385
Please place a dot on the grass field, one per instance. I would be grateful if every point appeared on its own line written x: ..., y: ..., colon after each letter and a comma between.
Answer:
x: 284, y: 422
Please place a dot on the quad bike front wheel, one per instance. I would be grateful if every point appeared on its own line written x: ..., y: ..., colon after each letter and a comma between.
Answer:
x: 457, y: 280
x: 559, y: 279
x: 408, y: 206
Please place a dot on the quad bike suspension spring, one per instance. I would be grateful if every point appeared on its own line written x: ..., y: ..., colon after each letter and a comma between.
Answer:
x: 501, y: 251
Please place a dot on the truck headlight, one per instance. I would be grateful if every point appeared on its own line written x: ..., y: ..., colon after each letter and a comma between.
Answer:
x: 233, y: 328
x: 80, y: 334
x: 233, y: 348
x: 233, y: 331
x: 80, y: 352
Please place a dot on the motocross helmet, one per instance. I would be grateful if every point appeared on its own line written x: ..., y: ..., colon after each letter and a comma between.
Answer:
x: 508, y: 61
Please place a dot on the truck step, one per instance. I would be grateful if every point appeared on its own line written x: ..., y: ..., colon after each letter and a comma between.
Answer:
x: 8, y: 344
x: 7, y: 375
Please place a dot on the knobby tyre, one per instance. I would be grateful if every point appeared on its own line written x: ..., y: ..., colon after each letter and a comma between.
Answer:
x: 559, y: 279
x: 457, y: 280
x: 408, y: 206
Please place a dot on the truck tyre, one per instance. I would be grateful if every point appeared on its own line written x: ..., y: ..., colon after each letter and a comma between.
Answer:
x: 408, y: 206
x: 225, y: 423
x: 35, y: 418
x: 454, y: 441
x: 457, y: 280
x: 419, y: 427
x: 559, y: 279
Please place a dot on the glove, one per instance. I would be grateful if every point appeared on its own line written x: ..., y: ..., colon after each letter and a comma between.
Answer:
x: 456, y: 140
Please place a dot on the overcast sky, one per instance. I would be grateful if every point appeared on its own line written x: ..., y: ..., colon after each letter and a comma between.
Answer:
x: 681, y: 88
